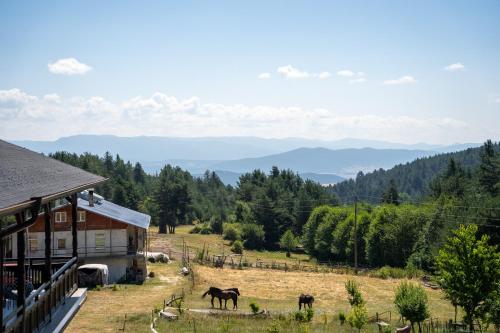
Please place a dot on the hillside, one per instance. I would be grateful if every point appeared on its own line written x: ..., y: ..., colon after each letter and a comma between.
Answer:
x: 342, y: 162
x: 228, y: 155
x: 412, y: 178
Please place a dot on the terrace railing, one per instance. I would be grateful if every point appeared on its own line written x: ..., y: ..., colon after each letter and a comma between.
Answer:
x: 41, y: 303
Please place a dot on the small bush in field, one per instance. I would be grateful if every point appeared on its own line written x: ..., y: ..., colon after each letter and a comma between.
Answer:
x: 309, y: 315
x: 354, y: 294
x: 342, y: 317
x: 196, y: 229
x: 231, y: 232
x: 275, y: 327
x: 358, y: 317
x: 299, y: 316
x: 237, y: 247
x: 302, y: 316
x: 205, y: 230
x: 254, y: 307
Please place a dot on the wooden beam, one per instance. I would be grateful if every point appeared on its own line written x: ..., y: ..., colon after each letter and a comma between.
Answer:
x: 74, y: 224
x: 1, y: 283
x: 20, y: 271
x: 48, y: 257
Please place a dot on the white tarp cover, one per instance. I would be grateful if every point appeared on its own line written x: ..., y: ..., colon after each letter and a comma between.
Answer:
x: 100, y: 273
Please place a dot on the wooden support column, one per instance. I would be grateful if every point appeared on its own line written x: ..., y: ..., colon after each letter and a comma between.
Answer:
x: 48, y: 245
x: 2, y: 254
x: 74, y: 227
x: 21, y: 272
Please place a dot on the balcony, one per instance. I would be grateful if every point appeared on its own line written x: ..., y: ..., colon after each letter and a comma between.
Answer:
x: 43, y: 298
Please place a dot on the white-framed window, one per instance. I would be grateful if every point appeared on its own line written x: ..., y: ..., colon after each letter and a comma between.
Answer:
x: 100, y: 241
x: 60, y: 217
x: 61, y: 243
x: 33, y: 243
x: 81, y: 216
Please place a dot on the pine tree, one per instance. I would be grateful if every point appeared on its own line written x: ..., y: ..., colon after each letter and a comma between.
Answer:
x: 391, y: 195
x: 489, y: 169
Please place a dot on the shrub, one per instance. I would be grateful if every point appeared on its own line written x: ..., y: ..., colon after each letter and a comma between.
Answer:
x: 358, y: 317
x: 342, y: 317
x: 303, y: 316
x: 288, y: 242
x: 411, y: 302
x: 237, y: 247
x: 387, y: 272
x: 354, y: 295
x: 205, y: 229
x: 196, y: 229
x: 254, y: 307
x: 309, y: 315
x: 231, y: 232
x: 299, y: 316
x: 253, y: 236
x: 275, y: 327
x: 216, y: 224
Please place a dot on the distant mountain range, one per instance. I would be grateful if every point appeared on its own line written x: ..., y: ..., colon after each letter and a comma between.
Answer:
x: 231, y: 178
x: 323, y: 161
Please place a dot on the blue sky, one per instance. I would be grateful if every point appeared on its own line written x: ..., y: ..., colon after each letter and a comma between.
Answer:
x: 369, y: 69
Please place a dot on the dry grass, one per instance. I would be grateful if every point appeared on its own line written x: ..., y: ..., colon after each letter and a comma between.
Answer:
x: 104, y: 310
x: 273, y: 290
x: 278, y: 290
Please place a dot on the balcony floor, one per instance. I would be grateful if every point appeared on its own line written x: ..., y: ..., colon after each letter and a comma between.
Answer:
x: 66, y: 312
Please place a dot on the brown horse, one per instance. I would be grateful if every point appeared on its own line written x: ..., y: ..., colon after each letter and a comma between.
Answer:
x: 306, y: 299
x: 223, y: 295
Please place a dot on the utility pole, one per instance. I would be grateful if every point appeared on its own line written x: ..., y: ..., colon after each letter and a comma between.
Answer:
x: 356, y: 234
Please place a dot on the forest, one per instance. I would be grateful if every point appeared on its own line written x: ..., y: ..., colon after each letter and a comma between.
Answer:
x: 280, y: 209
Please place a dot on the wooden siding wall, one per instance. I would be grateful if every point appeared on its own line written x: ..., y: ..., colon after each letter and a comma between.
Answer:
x: 93, y: 221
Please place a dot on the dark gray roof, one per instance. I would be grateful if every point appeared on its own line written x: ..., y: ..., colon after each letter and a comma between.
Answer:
x: 116, y: 212
x: 25, y: 174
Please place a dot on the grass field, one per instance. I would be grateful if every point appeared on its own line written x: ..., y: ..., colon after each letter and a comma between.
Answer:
x: 215, y: 245
x: 105, y: 309
x: 275, y: 291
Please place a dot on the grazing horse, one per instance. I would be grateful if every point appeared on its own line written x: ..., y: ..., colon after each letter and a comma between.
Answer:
x: 223, y: 295
x: 306, y: 300
x: 236, y: 290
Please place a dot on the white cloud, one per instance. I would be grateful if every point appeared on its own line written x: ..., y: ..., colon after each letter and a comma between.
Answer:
x: 291, y: 72
x: 14, y: 97
x: 324, y: 75
x: 52, y: 98
x: 358, y: 80
x: 355, y: 77
x: 496, y: 100
x: 264, y: 76
x: 68, y: 66
x: 345, y: 73
x: 164, y: 115
x: 402, y: 80
x: 456, y: 67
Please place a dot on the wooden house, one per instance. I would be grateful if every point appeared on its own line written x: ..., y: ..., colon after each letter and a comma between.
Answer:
x: 40, y: 292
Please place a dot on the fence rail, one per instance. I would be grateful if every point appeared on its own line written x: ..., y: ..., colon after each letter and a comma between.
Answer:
x: 47, y: 297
